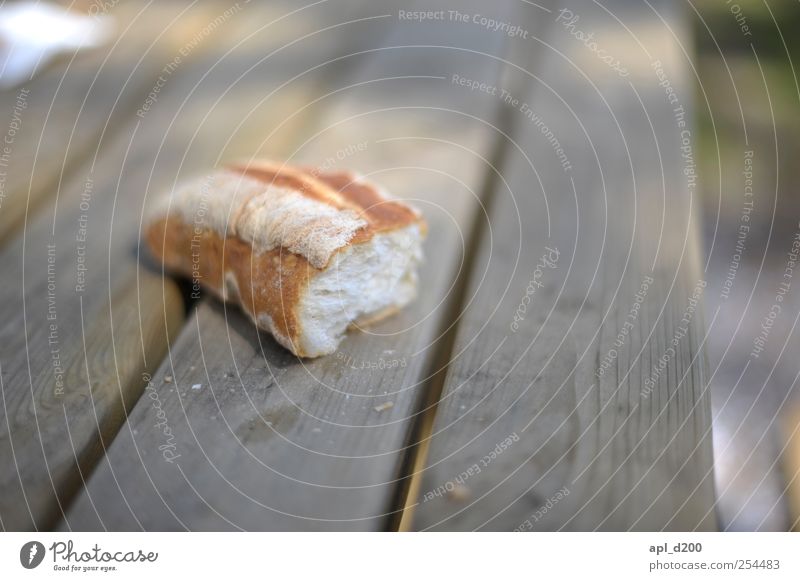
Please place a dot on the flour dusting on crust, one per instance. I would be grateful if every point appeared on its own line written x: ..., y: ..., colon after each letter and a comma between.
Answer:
x: 266, y: 215
x: 282, y: 217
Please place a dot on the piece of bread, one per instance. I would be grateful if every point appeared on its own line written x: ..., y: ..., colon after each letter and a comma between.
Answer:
x: 305, y: 252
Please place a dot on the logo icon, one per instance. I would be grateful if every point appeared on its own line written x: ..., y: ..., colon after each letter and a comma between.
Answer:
x: 31, y: 554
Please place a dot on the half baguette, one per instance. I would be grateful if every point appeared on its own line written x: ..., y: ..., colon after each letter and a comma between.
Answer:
x: 306, y: 253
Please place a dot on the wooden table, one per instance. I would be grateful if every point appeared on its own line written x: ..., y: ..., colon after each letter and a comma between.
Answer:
x: 550, y: 375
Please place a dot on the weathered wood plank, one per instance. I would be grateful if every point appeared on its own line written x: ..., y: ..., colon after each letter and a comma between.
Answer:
x: 115, y: 312
x: 267, y: 441
x: 576, y: 393
x: 54, y: 121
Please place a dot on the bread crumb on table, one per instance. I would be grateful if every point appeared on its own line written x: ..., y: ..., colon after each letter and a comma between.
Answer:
x: 384, y: 406
x: 459, y: 493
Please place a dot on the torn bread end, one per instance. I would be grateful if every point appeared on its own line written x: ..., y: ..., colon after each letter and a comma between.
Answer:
x: 306, y: 254
x: 366, y: 281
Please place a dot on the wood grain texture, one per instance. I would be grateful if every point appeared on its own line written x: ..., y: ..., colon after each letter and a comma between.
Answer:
x: 101, y: 383
x: 580, y: 298
x: 235, y: 433
x: 55, y: 120
x: 61, y: 400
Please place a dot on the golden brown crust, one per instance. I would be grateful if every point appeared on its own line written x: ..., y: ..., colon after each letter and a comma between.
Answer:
x: 270, y: 283
x: 342, y: 189
x: 296, y: 179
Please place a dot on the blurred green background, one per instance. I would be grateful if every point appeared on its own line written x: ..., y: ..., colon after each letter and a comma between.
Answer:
x: 747, y: 98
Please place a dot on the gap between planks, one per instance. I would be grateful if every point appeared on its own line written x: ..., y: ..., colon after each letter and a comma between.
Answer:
x: 401, y: 512
x: 479, y: 180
